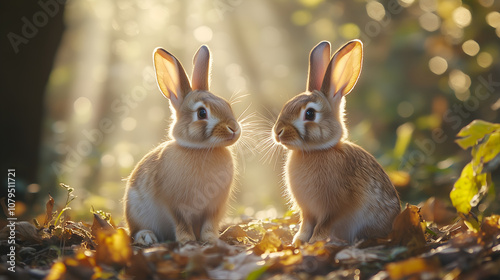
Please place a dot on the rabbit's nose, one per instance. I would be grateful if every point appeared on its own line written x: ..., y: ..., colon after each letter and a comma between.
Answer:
x: 233, y: 127
x: 278, y: 133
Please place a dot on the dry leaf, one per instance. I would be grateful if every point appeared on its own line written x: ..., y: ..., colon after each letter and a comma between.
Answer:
x: 57, y: 272
x: 100, y: 224
x: 235, y: 234
x: 140, y: 267
x: 113, y: 247
x: 407, y: 229
x: 49, y: 206
x: 412, y: 266
x: 269, y: 243
x: 491, y: 226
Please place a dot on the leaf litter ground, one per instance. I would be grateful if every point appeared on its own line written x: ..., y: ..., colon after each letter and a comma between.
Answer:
x: 442, y: 247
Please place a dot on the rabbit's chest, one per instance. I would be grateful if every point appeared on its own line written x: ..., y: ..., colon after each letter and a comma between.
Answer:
x: 314, y: 181
x: 196, y: 176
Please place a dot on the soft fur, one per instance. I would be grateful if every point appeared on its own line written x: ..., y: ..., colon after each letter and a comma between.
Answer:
x: 180, y: 189
x: 340, y: 189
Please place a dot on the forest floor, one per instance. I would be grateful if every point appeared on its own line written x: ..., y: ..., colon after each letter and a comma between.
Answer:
x: 255, y: 249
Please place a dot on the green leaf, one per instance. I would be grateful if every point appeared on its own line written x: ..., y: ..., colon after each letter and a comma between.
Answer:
x: 491, y: 148
x: 256, y: 274
x: 474, y: 132
x: 404, y: 133
x: 464, y: 190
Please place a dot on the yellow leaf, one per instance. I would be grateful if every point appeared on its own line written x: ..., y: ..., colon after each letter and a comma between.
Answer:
x: 269, y: 243
x: 402, y: 269
x: 113, y: 247
x: 464, y: 190
x: 474, y: 132
x: 491, y: 148
x: 58, y: 271
x: 399, y: 178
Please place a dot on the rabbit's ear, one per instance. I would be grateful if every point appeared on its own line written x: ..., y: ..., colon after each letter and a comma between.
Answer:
x: 171, y: 77
x: 201, y: 69
x: 318, y: 62
x: 344, y: 69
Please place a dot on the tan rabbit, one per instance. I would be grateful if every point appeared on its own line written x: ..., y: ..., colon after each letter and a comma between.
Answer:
x: 180, y: 189
x: 341, y: 190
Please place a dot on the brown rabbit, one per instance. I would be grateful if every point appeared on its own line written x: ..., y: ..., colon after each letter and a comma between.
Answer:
x: 341, y: 190
x: 180, y: 189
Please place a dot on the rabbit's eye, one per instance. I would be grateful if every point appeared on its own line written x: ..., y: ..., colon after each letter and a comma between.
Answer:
x: 202, y: 113
x: 310, y: 114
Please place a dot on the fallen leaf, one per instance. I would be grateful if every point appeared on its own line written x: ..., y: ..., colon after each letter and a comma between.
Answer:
x: 57, y: 272
x: 113, y: 247
x: 49, y: 206
x: 269, y: 243
x: 168, y: 270
x: 412, y: 266
x: 140, y: 267
x: 99, y: 224
x: 24, y: 232
x: 235, y: 234
x: 491, y: 226
x: 407, y: 229
x: 237, y: 267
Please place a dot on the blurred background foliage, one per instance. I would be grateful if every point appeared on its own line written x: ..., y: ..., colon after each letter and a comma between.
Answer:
x: 430, y: 67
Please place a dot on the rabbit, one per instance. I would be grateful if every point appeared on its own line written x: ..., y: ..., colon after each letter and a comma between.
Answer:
x: 180, y: 189
x: 341, y: 190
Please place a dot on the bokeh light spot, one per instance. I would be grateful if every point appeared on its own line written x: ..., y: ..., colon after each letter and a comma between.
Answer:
x: 33, y: 188
x: 429, y: 21
x: 129, y: 124
x: 108, y: 160
x: 462, y: 16
x: 203, y: 34
x: 301, y: 17
x: 349, y: 30
x: 405, y: 3
x: 462, y: 96
x: 428, y: 5
x: 493, y: 19
x: 470, y: 47
x: 125, y: 160
x: 459, y: 81
x: 323, y: 28
x: 310, y: 3
x: 438, y: 65
x: 82, y: 106
x: 375, y: 10
x: 486, y: 3
x: 405, y: 109
x: 484, y: 59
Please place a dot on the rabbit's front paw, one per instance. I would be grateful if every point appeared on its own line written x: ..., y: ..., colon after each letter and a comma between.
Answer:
x: 210, y: 237
x: 145, y: 238
x: 185, y: 237
x: 299, y: 239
